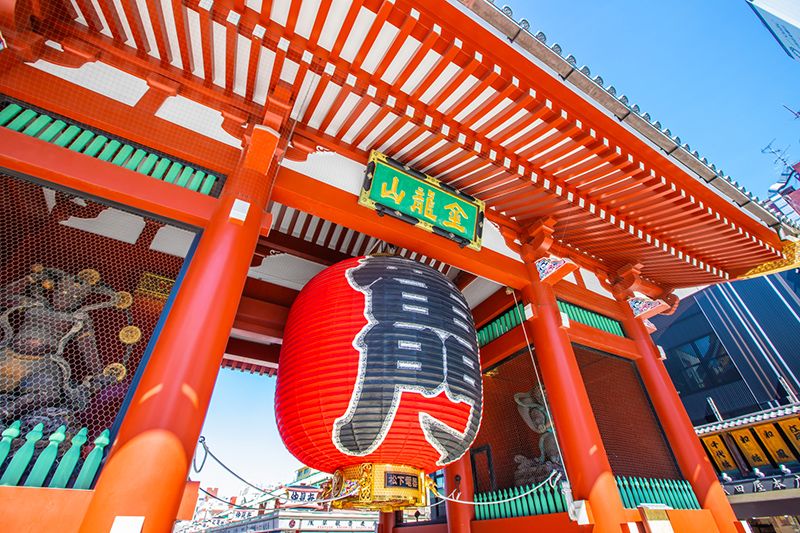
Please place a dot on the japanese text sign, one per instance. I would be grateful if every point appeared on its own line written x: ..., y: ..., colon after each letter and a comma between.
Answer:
x: 750, y: 448
x: 393, y: 189
x: 778, y: 449
x: 791, y: 426
x: 719, y: 453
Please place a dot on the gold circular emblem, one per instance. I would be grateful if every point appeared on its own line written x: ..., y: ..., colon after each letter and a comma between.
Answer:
x: 130, y: 335
x: 37, y: 267
x: 89, y: 275
x: 124, y: 300
x: 48, y: 284
x: 115, y: 370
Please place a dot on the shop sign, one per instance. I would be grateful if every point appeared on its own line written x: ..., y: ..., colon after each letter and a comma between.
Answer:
x: 766, y: 484
x: 305, y: 497
x: 791, y: 426
x: 394, y: 479
x: 775, y: 444
x: 719, y: 453
x: 327, y: 524
x: 393, y: 189
x: 751, y: 449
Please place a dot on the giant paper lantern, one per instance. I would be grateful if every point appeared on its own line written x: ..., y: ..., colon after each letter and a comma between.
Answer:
x: 379, y: 379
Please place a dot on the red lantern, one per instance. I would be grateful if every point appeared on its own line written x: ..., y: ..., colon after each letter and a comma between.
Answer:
x: 379, y: 378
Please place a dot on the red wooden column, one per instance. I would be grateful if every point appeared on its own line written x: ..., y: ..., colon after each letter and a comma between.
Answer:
x: 693, y: 461
x: 386, y: 522
x: 458, y: 477
x: 147, y: 469
x: 585, y: 457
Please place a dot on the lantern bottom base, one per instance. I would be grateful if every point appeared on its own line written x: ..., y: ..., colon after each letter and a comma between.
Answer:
x: 382, y: 487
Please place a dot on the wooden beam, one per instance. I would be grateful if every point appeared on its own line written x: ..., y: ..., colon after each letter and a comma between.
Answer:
x: 269, y: 292
x: 600, y: 340
x: 299, y: 248
x: 492, y: 307
x: 48, y: 92
x: 514, y: 341
x: 260, y: 317
x: 262, y: 353
x: 33, y: 157
x: 504, y: 346
x: 590, y: 300
x: 463, y: 279
x: 296, y: 190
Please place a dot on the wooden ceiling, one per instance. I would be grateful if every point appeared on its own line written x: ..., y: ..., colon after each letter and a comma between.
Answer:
x: 427, y: 84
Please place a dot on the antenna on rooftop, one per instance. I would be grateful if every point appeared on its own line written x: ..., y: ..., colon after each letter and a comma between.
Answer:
x: 780, y: 155
x: 793, y: 112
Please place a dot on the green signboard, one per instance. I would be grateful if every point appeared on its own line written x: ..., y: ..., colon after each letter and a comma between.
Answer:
x: 396, y: 190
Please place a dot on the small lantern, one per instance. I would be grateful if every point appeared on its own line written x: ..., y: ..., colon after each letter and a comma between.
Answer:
x: 379, y: 379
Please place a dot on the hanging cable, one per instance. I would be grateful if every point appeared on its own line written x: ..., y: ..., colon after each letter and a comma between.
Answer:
x: 539, y: 382
x: 204, y: 491
x: 552, y: 479
x: 431, y: 506
x: 290, y: 506
x: 209, y: 453
x: 205, y: 457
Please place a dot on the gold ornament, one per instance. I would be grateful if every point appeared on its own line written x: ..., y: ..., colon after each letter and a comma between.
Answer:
x: 36, y: 268
x: 115, y: 370
x: 89, y: 275
x: 124, y: 300
x: 48, y: 284
x: 383, y: 487
x: 130, y: 335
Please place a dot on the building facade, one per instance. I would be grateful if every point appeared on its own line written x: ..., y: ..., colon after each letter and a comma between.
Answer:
x: 173, y: 173
x: 731, y: 352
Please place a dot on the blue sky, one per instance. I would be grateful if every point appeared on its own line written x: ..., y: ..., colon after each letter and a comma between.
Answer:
x: 708, y: 70
x: 240, y: 429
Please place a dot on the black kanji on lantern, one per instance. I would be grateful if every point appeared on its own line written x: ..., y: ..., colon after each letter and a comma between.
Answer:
x: 421, y: 338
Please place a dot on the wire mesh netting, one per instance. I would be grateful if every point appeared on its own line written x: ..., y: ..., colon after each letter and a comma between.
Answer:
x: 515, y: 446
x: 633, y: 438
x: 82, y: 286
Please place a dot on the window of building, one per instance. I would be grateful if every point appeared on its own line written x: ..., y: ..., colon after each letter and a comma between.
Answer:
x: 701, y: 364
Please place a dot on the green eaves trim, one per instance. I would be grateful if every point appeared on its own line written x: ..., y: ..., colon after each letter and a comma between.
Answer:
x: 20, y: 117
x: 511, y: 319
x: 591, y: 319
x: 501, y: 325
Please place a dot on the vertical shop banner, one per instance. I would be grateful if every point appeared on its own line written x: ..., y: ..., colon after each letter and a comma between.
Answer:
x: 776, y: 445
x: 719, y: 453
x: 751, y: 449
x: 791, y: 427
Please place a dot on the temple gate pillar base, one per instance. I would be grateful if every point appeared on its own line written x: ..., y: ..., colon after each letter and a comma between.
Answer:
x: 458, y: 477
x: 386, y: 522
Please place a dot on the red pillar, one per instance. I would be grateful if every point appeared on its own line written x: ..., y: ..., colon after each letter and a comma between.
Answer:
x: 458, y: 477
x: 693, y: 461
x: 585, y: 456
x: 386, y: 522
x: 146, y: 471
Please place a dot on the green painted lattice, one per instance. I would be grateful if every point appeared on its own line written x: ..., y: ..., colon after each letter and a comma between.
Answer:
x: 590, y: 318
x: 544, y: 500
x: 56, y: 465
x: 78, y: 138
x: 677, y: 494
x: 501, y: 325
x: 511, y: 319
